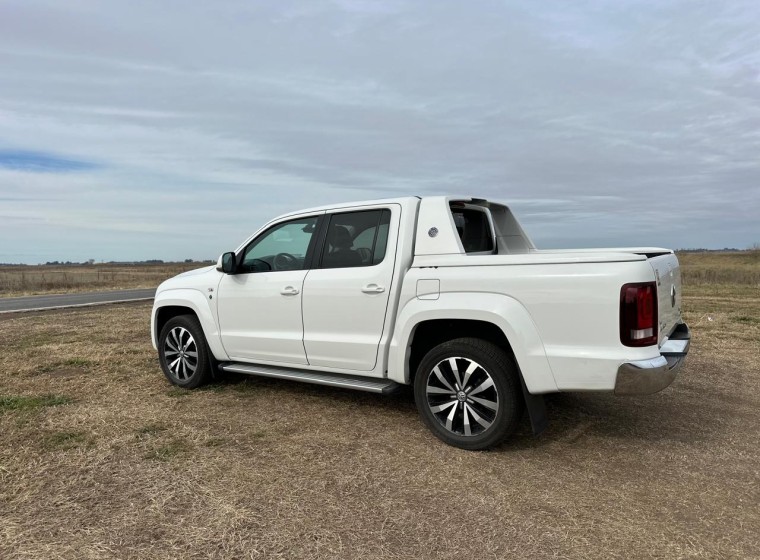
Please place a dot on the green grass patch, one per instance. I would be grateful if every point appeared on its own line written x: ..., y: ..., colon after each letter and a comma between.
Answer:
x: 215, y: 442
x: 77, y: 362
x: 169, y: 451
x: 8, y: 403
x: 150, y: 429
x: 178, y: 392
x: 34, y: 341
x: 747, y: 320
x: 214, y: 388
x: 65, y: 440
x: 64, y: 366
x: 246, y: 386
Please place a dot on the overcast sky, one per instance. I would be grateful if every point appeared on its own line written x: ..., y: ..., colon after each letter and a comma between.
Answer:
x: 171, y: 130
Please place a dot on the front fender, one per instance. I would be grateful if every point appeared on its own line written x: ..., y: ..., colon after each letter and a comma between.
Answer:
x: 503, y: 311
x: 196, y: 301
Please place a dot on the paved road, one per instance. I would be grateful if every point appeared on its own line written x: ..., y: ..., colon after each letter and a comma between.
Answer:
x: 38, y: 303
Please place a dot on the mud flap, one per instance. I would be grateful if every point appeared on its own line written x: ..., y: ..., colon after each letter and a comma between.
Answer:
x: 214, y: 365
x: 539, y: 421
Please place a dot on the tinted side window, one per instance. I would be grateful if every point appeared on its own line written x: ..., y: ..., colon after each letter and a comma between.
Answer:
x: 283, y: 247
x: 381, y: 243
x: 474, y: 230
x: 356, y: 239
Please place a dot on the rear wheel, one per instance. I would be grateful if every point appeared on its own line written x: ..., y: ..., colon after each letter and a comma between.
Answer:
x: 183, y: 353
x: 467, y: 392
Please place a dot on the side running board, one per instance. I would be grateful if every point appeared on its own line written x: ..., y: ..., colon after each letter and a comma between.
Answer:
x: 369, y: 384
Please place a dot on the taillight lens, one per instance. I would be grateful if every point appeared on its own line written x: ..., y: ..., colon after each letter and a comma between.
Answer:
x: 638, y: 314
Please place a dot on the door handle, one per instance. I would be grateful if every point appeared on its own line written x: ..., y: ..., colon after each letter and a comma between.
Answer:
x: 373, y: 289
x: 289, y: 291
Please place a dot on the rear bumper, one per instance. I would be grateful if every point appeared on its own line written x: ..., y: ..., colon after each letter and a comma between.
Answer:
x: 645, y: 377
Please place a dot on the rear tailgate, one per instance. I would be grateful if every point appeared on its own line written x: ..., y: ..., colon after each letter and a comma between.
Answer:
x: 668, y: 275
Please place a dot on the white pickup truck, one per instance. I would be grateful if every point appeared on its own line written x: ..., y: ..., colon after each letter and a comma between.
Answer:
x: 446, y: 294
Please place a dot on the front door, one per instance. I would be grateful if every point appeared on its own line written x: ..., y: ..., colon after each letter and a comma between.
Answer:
x: 345, y: 294
x: 260, y: 306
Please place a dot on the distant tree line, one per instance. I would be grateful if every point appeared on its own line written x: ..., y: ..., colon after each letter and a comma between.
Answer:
x: 724, y: 250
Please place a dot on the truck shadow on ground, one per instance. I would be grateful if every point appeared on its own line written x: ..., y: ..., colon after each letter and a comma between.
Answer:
x: 677, y: 415
x: 672, y: 417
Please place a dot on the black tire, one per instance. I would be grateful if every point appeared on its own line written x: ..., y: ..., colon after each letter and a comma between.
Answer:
x: 180, y: 338
x: 451, y: 415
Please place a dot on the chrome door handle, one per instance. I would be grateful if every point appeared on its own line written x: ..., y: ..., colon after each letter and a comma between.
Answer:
x: 373, y: 289
x: 289, y: 291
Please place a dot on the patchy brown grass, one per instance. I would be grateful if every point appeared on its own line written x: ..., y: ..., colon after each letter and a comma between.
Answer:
x: 46, y: 279
x: 101, y: 458
x: 726, y: 269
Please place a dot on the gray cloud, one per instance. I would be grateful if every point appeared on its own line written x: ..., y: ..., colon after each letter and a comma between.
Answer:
x: 602, y: 123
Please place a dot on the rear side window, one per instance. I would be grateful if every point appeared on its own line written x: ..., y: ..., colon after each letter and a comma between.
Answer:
x: 474, y: 230
x: 356, y: 239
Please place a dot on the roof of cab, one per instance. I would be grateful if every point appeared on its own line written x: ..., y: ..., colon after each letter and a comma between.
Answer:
x: 401, y: 200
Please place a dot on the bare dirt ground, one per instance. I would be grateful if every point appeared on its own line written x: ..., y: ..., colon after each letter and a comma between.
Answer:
x: 101, y: 458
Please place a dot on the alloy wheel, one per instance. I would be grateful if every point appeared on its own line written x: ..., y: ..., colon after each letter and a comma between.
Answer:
x: 181, y: 353
x: 462, y: 396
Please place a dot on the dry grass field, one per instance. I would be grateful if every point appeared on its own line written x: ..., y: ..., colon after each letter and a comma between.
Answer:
x: 718, y: 274
x: 48, y: 279
x: 101, y: 458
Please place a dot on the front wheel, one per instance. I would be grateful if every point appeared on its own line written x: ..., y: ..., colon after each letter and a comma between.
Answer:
x: 183, y: 353
x: 468, y: 393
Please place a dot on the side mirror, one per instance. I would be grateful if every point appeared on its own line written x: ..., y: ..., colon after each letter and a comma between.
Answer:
x: 226, y: 263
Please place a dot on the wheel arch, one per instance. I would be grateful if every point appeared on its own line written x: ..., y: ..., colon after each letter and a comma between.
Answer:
x: 494, y: 317
x: 431, y: 332
x: 173, y: 303
x: 167, y: 312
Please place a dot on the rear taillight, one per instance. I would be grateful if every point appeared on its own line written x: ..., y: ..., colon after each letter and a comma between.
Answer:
x: 638, y: 314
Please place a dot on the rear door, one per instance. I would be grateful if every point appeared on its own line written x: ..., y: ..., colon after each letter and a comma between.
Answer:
x: 345, y: 294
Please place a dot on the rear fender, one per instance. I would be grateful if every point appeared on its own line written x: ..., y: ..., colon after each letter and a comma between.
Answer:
x: 503, y: 311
